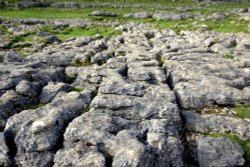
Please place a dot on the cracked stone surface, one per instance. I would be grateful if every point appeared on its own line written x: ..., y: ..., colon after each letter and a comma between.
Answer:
x: 133, y: 104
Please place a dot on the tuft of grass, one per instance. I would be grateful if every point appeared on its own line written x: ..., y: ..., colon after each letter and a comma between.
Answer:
x: 33, y: 106
x: 234, y: 44
x: 244, y: 144
x: 228, y: 56
x: 76, y: 89
x: 242, y: 111
x: 87, y: 109
x: 3, y: 29
x: 82, y: 64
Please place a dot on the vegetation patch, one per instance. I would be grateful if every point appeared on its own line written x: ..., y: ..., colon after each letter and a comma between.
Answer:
x: 76, y: 89
x: 72, y: 32
x: 230, y: 23
x: 242, y: 111
x: 234, y: 44
x: 33, y: 106
x: 228, y: 56
x: 214, y: 110
x: 244, y: 144
x: 87, y: 109
x: 82, y: 64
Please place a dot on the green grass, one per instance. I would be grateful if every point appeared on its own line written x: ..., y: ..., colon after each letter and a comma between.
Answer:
x: 244, y: 144
x: 3, y: 29
x: 87, y: 109
x: 47, y: 13
x: 229, y: 24
x: 228, y: 56
x: 76, y: 89
x: 15, y: 42
x: 71, y: 32
x: 22, y: 44
x: 242, y: 111
x: 33, y: 106
x: 90, y: 31
x: 125, y: 2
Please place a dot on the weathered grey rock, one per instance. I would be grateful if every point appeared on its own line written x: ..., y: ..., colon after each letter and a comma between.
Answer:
x: 51, y: 90
x: 11, y: 56
x: 190, y: 73
x: 208, y: 123
x: 47, y: 74
x: 241, y: 10
x: 4, y: 153
x: 140, y: 15
x: 27, y: 88
x: 219, y: 152
x: 107, y: 14
x: 122, y: 87
x: 44, y: 33
x: 102, y: 57
x: 162, y: 16
x: 146, y: 71
x: 81, y: 41
x: 172, y: 16
x: 87, y: 78
x: 27, y: 4
x: 216, y: 16
x: 51, y: 39
x: 22, y: 29
x: 140, y: 80
x: 60, y: 58
x: 105, y: 141
x: 37, y: 133
x: 65, y: 5
x: 10, y: 104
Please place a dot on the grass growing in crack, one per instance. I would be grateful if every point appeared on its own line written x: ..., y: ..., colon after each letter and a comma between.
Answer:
x: 87, y: 109
x: 33, y: 106
x: 242, y: 111
x: 233, y: 44
x: 244, y: 144
x: 76, y: 89
x: 228, y: 56
x: 69, y: 79
x: 82, y: 64
x: 3, y: 29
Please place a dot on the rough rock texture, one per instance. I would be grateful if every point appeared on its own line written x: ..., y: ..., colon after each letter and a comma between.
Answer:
x: 37, y: 133
x: 206, y: 123
x: 4, y: 158
x: 127, y: 100
x: 140, y: 15
x: 219, y: 152
x: 127, y: 107
x: 100, y: 13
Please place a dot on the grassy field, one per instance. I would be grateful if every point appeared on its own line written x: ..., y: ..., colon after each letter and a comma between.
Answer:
x: 229, y: 24
x: 71, y: 32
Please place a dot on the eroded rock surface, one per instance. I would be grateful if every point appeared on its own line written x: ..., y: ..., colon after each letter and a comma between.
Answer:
x: 219, y: 152
x: 127, y: 100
